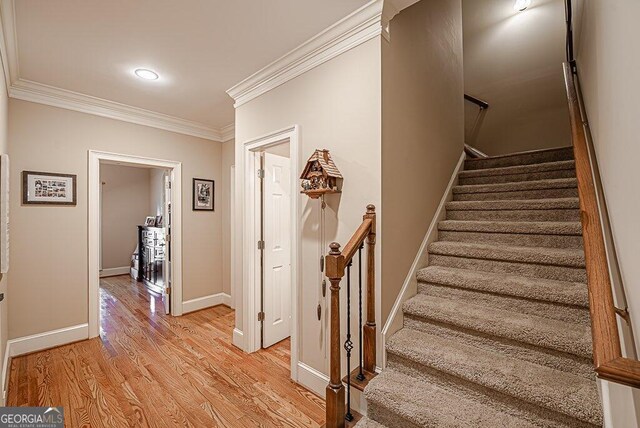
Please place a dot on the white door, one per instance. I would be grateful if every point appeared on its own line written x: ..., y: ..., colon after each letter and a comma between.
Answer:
x: 166, y: 216
x: 277, y: 250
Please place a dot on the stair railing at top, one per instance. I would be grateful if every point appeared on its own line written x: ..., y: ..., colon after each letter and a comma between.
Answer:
x: 337, y: 264
x: 475, y: 129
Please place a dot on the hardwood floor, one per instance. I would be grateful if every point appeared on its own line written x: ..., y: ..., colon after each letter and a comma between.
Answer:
x: 153, y: 370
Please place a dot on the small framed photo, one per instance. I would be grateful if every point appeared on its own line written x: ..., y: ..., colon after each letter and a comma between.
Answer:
x: 159, y: 221
x: 150, y: 221
x: 203, y: 194
x: 46, y: 188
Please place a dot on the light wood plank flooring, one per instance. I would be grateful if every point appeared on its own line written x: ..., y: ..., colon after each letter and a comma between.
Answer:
x: 149, y: 369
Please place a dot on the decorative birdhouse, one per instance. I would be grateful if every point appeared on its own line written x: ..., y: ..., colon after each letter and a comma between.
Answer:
x: 320, y: 175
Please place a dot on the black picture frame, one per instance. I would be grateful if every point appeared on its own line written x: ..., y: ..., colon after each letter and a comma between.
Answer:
x: 28, y: 199
x: 201, y: 200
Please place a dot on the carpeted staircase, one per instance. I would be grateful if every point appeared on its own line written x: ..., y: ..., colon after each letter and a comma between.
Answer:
x: 499, y: 332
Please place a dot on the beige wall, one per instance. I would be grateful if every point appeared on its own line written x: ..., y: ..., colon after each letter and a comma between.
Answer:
x: 514, y: 62
x: 607, y: 66
x: 223, y: 189
x: 337, y: 106
x: 422, y: 129
x: 4, y: 149
x: 48, y: 277
x: 125, y: 194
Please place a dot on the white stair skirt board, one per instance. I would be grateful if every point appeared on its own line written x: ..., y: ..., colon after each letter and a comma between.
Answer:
x: 124, y: 270
x: 410, y: 285
x: 206, y: 302
x: 316, y: 382
x: 46, y: 340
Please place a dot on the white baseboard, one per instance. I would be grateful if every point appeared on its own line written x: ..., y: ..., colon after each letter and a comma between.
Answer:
x: 410, y: 285
x: 124, y: 270
x: 48, y: 339
x: 312, y: 379
x: 238, y: 338
x: 206, y: 302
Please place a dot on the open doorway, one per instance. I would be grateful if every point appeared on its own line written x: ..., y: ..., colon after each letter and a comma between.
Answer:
x: 270, y: 256
x: 135, y: 223
x: 134, y: 233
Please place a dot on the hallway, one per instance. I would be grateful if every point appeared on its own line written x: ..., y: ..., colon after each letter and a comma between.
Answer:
x: 155, y: 370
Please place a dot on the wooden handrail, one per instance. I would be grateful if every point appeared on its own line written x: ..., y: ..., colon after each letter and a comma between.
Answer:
x: 607, y: 353
x: 336, y: 263
x: 477, y: 101
x: 474, y: 153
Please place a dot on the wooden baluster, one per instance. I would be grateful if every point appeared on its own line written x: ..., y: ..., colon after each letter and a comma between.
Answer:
x: 335, y: 406
x: 370, y: 328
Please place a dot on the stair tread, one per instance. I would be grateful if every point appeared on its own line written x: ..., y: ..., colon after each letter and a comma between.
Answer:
x: 565, y: 292
x: 521, y: 158
x: 427, y: 405
x: 517, y: 227
x: 519, y: 169
x: 552, y: 334
x: 365, y: 422
x: 555, y: 183
x: 559, y: 391
x: 515, y: 204
x: 570, y: 257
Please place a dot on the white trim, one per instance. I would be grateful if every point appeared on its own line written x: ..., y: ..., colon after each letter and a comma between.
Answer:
x: 312, y: 379
x: 238, y: 338
x: 360, y: 26
x: 206, y: 302
x: 124, y: 270
x: 250, y: 286
x: 410, y: 285
x: 27, y: 90
x: 228, y: 133
x: 48, y: 339
x: 5, y: 375
x: 93, y: 184
x: 232, y: 238
x: 40, y: 93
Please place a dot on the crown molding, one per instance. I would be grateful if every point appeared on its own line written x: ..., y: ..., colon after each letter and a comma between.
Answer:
x: 228, y: 133
x: 362, y: 25
x: 28, y: 90
x: 44, y: 94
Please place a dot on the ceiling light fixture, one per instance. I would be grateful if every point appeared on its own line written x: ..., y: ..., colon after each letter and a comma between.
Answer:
x: 521, y: 5
x: 146, y: 74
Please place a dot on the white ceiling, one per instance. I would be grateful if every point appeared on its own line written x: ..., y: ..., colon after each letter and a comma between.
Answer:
x: 200, y: 48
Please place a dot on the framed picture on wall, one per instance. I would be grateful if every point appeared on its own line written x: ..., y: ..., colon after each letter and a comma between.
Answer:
x: 203, y: 194
x: 46, y: 188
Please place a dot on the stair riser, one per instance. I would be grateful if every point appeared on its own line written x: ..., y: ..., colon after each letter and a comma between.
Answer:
x: 570, y: 192
x: 514, y: 215
x: 495, y: 399
x: 387, y: 417
x: 560, y: 273
x: 557, y: 155
x: 516, y: 239
x: 547, y: 357
x: 539, y: 308
x: 511, y: 178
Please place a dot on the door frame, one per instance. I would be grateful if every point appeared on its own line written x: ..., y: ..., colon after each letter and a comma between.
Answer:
x: 95, y: 158
x: 251, y: 287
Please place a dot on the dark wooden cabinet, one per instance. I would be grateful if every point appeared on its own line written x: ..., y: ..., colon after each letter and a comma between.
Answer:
x: 152, y: 257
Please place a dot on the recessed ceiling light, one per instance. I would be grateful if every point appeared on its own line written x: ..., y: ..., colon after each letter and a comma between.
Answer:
x: 146, y: 74
x: 521, y: 5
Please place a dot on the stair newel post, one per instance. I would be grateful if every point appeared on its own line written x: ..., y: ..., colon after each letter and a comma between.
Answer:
x: 335, y: 405
x: 369, y: 329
